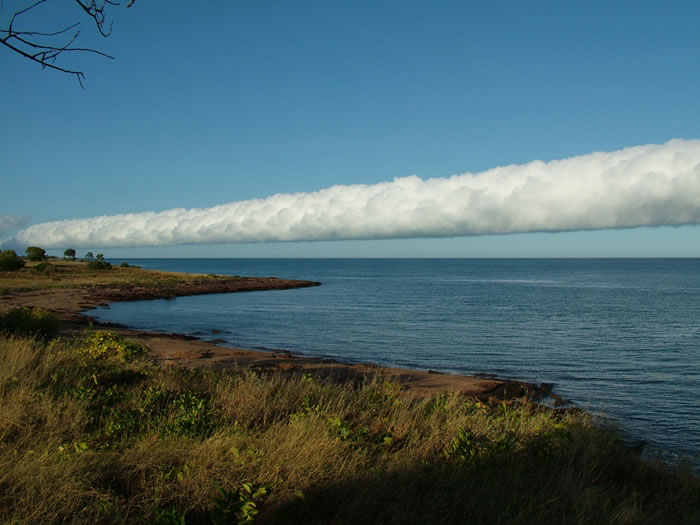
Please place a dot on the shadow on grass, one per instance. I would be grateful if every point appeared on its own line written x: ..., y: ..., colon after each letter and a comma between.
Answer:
x: 614, y: 487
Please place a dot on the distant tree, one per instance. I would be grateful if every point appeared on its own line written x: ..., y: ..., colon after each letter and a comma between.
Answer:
x: 9, y: 261
x: 100, y: 256
x: 34, y: 253
x: 89, y: 255
x: 45, y: 47
x: 69, y: 254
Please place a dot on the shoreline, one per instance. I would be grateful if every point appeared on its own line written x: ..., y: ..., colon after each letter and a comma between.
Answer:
x: 185, y: 350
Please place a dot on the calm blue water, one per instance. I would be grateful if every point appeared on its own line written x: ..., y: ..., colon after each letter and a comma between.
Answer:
x: 620, y: 337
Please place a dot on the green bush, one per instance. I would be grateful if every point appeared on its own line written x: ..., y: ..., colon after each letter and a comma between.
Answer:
x: 106, y: 344
x: 9, y: 261
x: 34, y: 253
x: 46, y: 268
x: 99, y: 264
x: 69, y: 254
x: 36, y: 322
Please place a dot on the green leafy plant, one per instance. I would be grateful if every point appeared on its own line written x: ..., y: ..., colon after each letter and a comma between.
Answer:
x: 69, y: 253
x: 176, y: 473
x: 237, y: 507
x: 340, y: 429
x: 110, y: 344
x: 121, y: 423
x: 307, y: 409
x: 192, y: 415
x: 463, y: 447
x: 170, y: 516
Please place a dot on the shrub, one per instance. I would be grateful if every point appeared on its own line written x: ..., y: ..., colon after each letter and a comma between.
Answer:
x: 34, y: 253
x: 36, y: 322
x: 69, y: 254
x: 99, y: 264
x: 110, y: 344
x: 9, y: 261
x: 46, y: 268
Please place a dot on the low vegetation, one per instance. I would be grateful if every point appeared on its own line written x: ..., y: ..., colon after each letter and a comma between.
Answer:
x: 36, y: 322
x: 92, y: 431
x: 66, y: 274
x: 10, y: 261
x: 46, y: 268
x: 35, y: 272
x: 99, y: 264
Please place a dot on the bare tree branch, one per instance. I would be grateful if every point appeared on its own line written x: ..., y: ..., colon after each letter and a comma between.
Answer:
x: 97, y: 13
x: 12, y: 21
x: 37, y: 33
x: 63, y: 48
x: 45, y: 63
x: 31, y: 44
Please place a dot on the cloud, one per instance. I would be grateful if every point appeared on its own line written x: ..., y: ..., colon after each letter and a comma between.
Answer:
x: 9, y: 223
x: 651, y: 185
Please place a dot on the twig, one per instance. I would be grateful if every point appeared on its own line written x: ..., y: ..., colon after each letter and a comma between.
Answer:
x: 29, y: 45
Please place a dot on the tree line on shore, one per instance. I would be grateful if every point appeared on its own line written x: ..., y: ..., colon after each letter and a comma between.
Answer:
x: 10, y: 261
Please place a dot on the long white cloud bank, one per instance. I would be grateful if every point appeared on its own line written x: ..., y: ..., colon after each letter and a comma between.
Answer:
x: 651, y: 185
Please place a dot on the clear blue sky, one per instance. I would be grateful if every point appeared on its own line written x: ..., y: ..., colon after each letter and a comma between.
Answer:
x: 213, y: 102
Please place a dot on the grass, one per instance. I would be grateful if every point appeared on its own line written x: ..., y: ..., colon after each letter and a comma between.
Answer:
x: 92, y: 431
x: 67, y: 274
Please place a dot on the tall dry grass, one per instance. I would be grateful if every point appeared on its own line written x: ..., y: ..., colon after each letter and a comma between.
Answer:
x: 92, y: 432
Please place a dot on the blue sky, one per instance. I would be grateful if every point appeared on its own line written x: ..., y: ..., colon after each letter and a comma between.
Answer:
x: 207, y: 104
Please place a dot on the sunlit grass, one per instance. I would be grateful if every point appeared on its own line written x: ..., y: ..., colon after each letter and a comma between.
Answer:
x: 76, y: 274
x: 91, y: 431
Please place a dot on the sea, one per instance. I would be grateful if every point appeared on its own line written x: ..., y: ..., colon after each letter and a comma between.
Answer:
x: 617, y: 337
